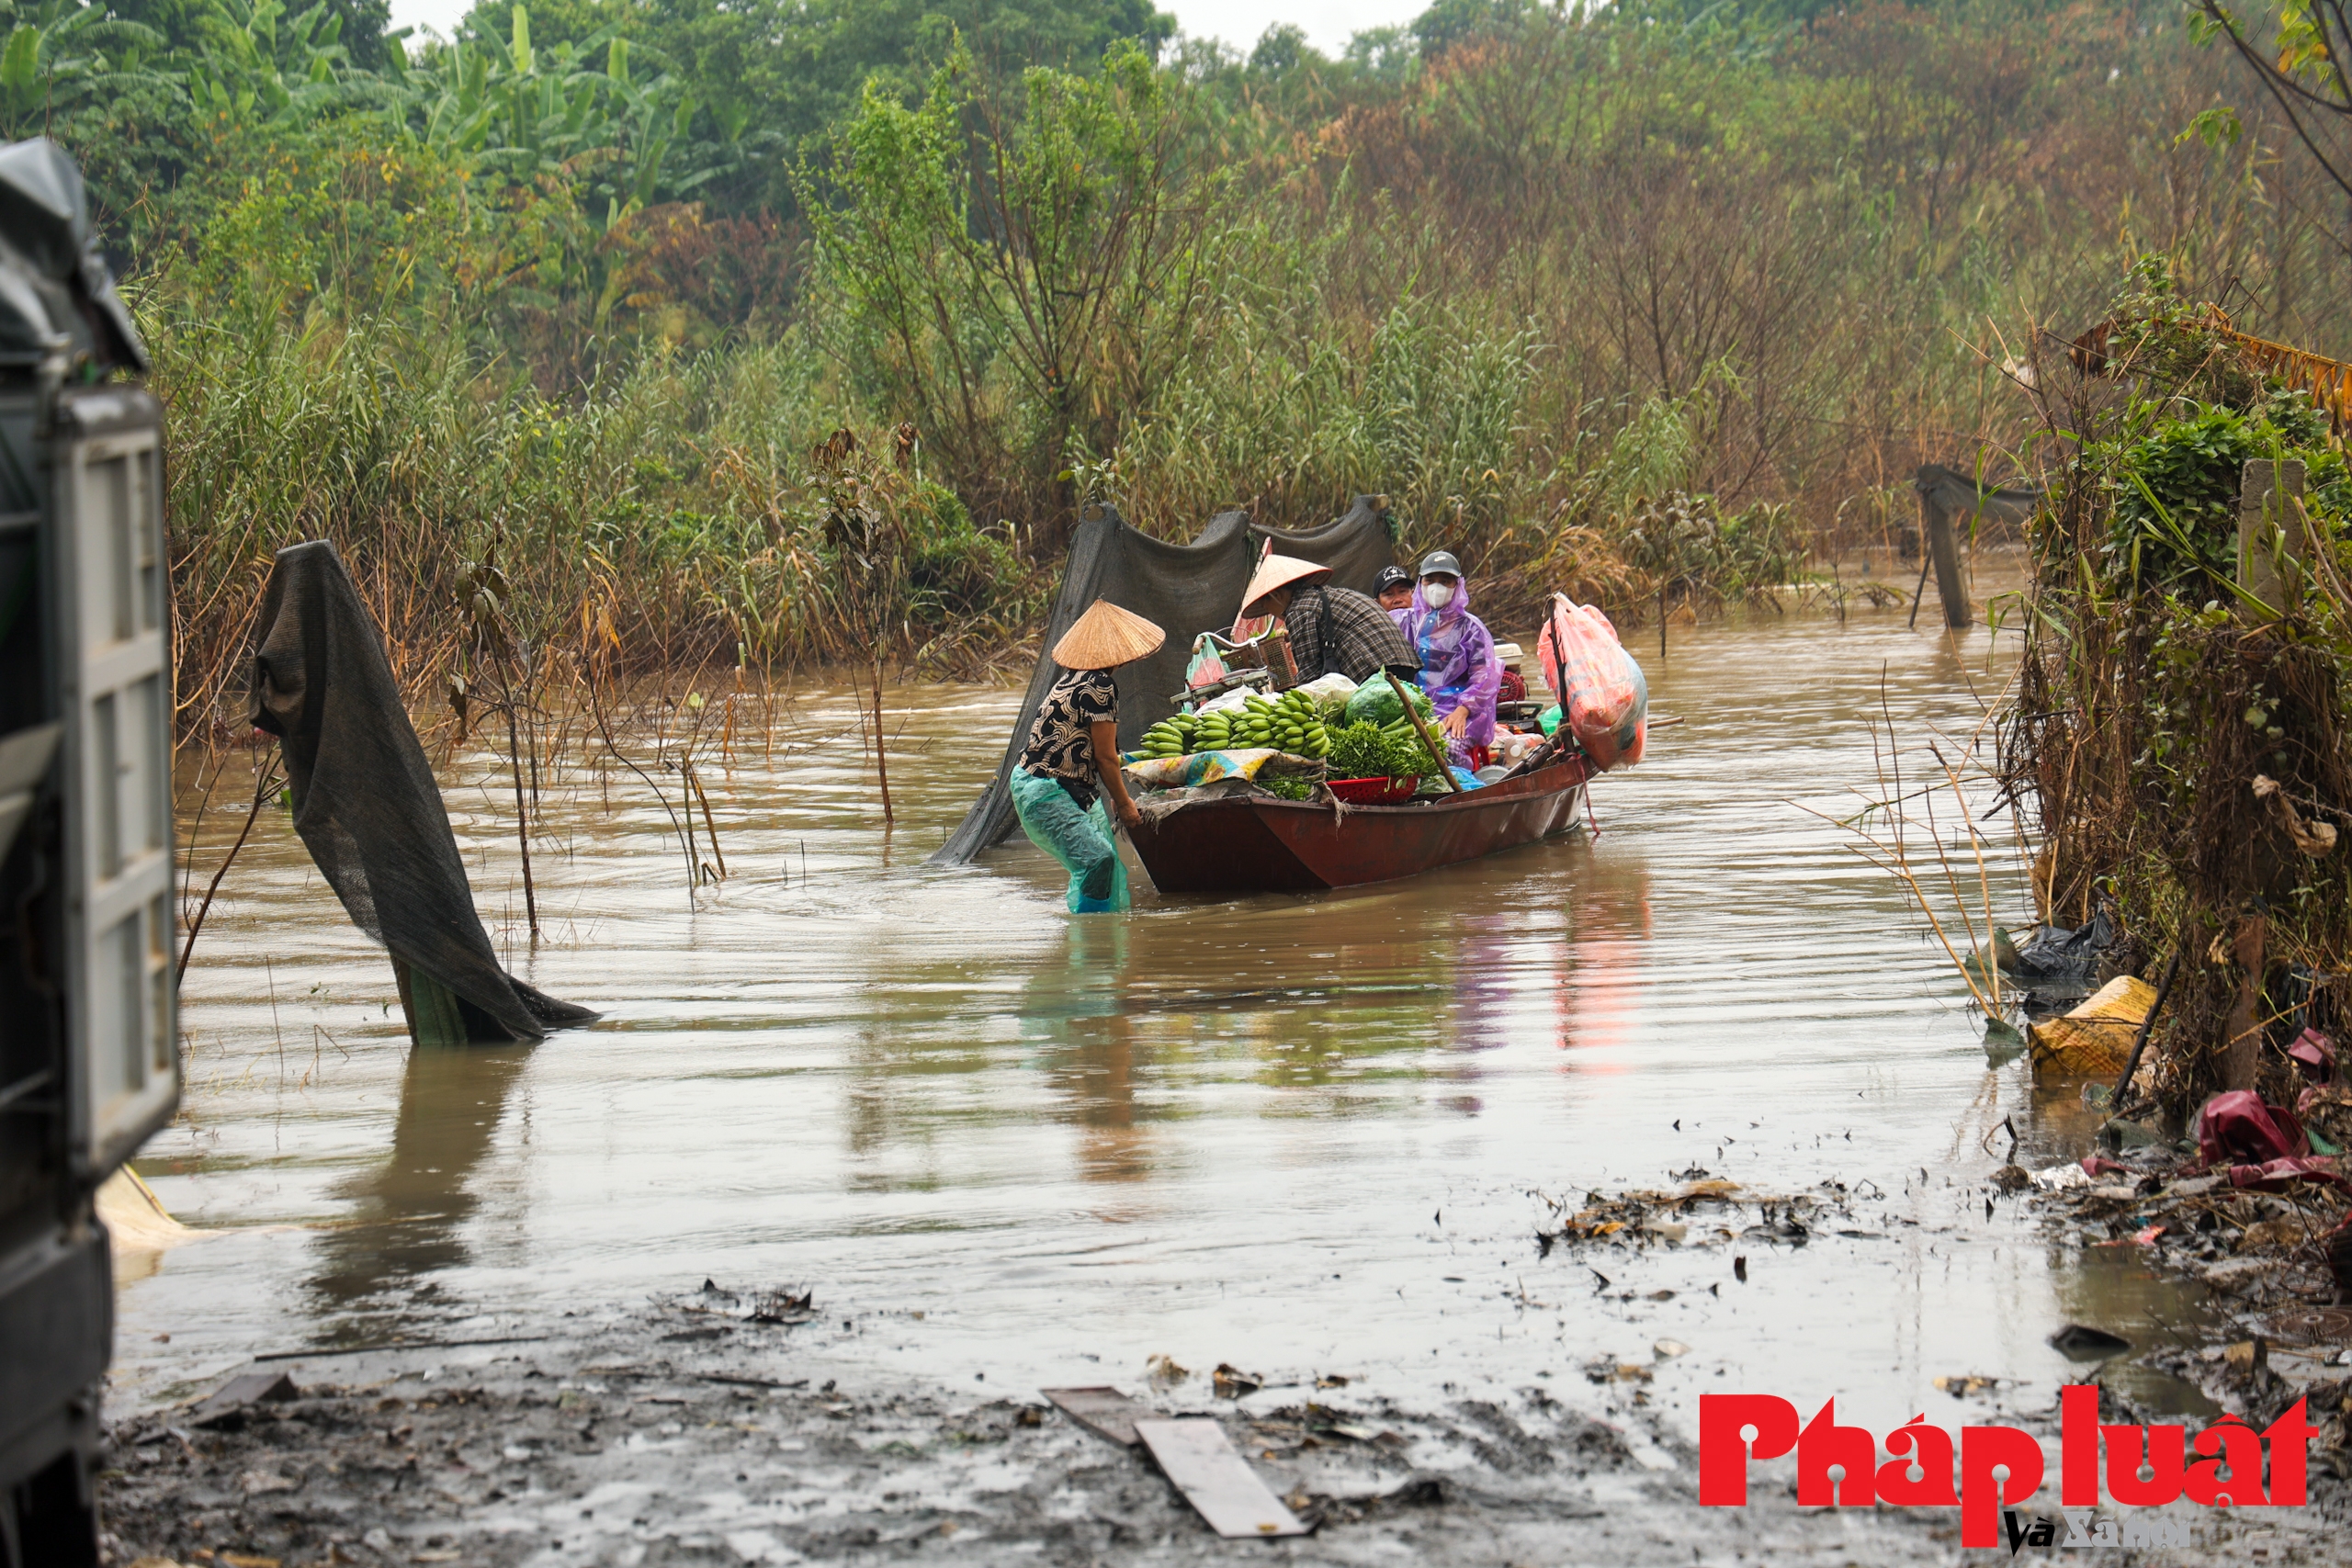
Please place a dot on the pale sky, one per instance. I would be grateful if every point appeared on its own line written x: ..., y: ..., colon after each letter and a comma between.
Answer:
x: 1329, y: 23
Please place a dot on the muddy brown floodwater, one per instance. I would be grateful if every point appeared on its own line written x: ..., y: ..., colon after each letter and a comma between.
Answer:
x: 1305, y: 1137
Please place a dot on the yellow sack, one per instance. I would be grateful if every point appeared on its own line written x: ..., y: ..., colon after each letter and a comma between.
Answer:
x: 2093, y: 1040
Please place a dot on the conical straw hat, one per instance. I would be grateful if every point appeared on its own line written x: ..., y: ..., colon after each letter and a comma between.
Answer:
x: 1278, y: 572
x: 1105, y: 638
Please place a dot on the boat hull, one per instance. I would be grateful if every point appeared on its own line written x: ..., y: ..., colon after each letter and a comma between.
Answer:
x: 1255, y: 843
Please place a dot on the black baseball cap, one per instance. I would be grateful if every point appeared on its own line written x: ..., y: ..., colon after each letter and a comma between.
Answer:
x: 1391, y: 577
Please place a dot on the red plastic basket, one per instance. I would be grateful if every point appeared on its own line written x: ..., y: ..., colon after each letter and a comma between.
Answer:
x: 1372, y: 792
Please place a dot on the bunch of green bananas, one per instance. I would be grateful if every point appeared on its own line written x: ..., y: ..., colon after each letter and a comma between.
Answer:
x: 1171, y: 737
x: 1287, y: 723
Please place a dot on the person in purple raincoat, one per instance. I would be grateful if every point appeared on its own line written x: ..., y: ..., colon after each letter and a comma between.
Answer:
x: 1458, y: 666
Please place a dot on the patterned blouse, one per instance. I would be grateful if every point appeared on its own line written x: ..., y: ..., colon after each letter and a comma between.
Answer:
x: 1061, y: 743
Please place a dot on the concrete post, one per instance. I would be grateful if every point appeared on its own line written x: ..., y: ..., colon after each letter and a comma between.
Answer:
x: 1949, y: 559
x: 2264, y: 520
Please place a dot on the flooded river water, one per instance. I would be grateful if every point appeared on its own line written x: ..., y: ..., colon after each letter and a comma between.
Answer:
x: 1297, y: 1134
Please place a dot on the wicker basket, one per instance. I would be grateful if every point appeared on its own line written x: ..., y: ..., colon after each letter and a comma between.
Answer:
x: 1372, y: 792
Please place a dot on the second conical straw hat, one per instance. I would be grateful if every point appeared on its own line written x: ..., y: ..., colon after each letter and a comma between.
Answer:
x: 1278, y: 572
x: 1106, y: 637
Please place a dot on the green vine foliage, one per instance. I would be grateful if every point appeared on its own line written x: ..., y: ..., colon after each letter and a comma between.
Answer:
x: 2157, y: 690
x: 2172, y: 486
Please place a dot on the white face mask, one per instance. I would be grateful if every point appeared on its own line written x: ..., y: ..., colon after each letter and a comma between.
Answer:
x: 1437, y: 593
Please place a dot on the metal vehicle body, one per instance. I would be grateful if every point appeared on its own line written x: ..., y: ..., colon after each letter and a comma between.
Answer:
x: 88, y: 1057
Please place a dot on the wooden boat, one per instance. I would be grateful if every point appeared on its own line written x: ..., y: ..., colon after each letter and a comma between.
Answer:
x: 1255, y: 844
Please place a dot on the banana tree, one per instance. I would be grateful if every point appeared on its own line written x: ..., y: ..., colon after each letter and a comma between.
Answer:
x: 60, y: 54
x: 529, y: 113
x: 262, y: 65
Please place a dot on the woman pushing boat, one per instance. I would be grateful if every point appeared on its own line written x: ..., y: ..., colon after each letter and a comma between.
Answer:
x: 1073, y: 747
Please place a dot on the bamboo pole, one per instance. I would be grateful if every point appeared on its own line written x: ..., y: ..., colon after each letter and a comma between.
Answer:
x: 1436, y: 751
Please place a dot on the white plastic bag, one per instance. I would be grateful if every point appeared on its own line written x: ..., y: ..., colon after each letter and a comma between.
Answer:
x: 1327, y: 688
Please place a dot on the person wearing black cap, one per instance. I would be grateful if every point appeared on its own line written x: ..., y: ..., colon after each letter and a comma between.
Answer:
x: 1393, y: 588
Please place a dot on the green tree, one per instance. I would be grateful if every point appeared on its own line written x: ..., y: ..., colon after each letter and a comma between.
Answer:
x: 1012, y: 275
x: 789, y: 69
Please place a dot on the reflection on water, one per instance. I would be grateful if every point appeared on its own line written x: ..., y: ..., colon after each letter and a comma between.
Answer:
x: 1287, y: 1132
x: 408, y: 1218
x: 1599, y: 1000
x: 1076, y: 1018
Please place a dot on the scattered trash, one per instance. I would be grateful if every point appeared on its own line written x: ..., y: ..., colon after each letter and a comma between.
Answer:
x: 2119, y: 1134
x: 1609, y: 1369
x: 2316, y: 1054
x: 784, y: 1307
x: 1164, y: 1372
x: 2238, y: 1128
x: 1961, y: 1387
x: 2080, y: 1342
x: 2326, y: 1113
x: 229, y: 1404
x: 1639, y: 1218
x: 1667, y: 1350
x: 1102, y: 1410
x: 2058, y: 1177
x: 2012, y: 1179
x: 2262, y: 1146
x: 2311, y: 1325
x: 1231, y: 1383
x: 2003, y: 1042
x: 1197, y: 1456
x: 1739, y: 1270
x: 1357, y: 1432
x: 2052, y: 957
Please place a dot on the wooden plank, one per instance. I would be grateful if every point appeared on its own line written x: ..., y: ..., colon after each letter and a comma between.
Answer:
x: 233, y: 1399
x: 1102, y: 1410
x: 1197, y: 1456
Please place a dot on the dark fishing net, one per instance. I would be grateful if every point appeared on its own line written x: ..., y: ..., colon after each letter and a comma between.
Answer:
x: 365, y: 800
x: 1185, y: 590
x: 1958, y: 495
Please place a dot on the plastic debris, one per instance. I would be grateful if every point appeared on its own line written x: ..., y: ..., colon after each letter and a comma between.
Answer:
x: 2080, y: 1342
x: 2059, y: 1177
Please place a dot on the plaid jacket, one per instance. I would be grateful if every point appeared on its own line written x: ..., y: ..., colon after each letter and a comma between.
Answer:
x: 1337, y: 629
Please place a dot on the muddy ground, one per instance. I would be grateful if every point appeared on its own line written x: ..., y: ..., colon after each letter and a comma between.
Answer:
x: 688, y: 1431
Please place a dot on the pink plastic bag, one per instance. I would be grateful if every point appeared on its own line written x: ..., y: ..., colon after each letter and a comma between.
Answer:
x: 1604, y: 697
